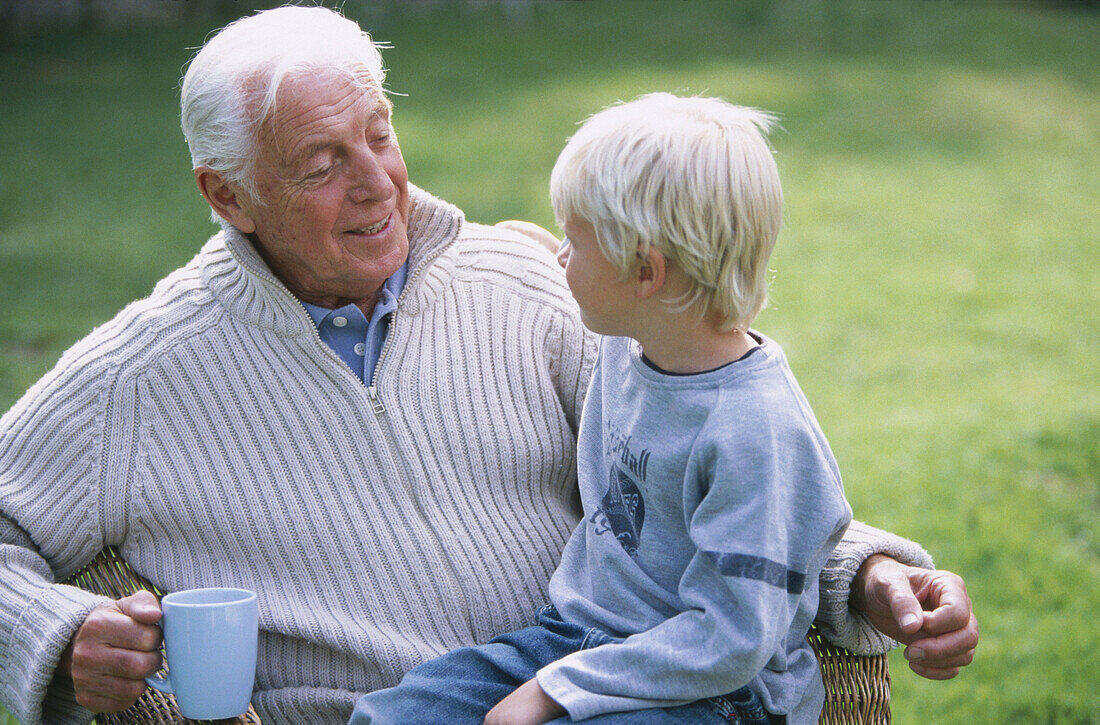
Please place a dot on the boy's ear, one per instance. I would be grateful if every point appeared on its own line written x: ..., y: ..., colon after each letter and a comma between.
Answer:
x: 650, y: 273
x: 223, y: 199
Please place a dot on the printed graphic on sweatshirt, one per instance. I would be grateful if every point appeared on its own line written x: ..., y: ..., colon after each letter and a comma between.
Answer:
x: 621, y: 512
x: 622, y: 509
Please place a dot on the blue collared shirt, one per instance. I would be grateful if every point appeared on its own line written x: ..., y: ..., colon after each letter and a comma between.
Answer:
x: 357, y: 340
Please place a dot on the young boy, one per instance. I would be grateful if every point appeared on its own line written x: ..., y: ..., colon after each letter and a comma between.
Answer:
x: 710, y: 496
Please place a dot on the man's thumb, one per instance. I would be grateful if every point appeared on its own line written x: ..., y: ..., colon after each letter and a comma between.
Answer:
x: 141, y: 607
x: 906, y: 610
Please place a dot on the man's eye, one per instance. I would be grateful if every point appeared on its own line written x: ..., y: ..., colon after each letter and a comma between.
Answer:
x: 318, y: 173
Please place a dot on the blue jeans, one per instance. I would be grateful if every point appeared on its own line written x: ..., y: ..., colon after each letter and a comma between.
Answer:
x: 460, y: 687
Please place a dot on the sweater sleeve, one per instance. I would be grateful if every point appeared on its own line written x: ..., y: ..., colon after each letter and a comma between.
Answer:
x: 841, y: 624
x: 571, y: 351
x: 568, y: 349
x: 766, y: 517
x: 52, y: 446
x: 578, y: 359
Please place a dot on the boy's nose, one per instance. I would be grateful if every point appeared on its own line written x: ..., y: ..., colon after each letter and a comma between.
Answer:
x: 563, y: 252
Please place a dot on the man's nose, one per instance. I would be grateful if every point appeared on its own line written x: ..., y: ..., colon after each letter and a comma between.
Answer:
x: 370, y: 182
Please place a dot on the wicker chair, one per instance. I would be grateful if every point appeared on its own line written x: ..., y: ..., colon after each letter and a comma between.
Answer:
x: 857, y: 688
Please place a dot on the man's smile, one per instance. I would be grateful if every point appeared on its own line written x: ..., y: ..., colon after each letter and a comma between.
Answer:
x: 375, y: 228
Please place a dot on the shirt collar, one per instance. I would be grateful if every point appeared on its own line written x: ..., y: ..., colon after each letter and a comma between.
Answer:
x: 387, y: 300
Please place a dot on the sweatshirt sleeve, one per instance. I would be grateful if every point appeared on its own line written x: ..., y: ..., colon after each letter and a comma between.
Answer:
x: 52, y: 457
x: 841, y: 624
x: 763, y: 519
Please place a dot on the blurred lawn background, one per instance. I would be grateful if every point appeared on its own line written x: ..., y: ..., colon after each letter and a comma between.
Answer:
x: 935, y: 284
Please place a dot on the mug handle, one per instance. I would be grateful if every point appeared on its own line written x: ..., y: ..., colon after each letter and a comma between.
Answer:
x: 162, y: 684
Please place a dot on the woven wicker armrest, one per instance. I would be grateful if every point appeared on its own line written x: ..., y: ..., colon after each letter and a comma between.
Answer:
x: 109, y: 575
x: 857, y: 687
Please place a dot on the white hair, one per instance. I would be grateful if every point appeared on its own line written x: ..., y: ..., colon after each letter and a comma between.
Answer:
x: 694, y: 178
x: 231, y: 84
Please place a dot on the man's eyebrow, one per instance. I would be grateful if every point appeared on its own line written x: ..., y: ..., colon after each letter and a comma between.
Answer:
x: 311, y: 149
x: 381, y: 109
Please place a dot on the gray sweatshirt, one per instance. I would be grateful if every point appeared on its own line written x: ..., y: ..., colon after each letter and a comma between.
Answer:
x: 711, y: 503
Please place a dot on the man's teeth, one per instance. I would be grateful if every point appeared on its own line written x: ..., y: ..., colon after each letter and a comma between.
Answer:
x: 373, y: 228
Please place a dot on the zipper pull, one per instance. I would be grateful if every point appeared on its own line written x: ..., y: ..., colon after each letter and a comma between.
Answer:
x: 372, y: 391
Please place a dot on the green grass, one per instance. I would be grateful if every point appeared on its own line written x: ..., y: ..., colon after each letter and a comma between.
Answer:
x: 935, y: 284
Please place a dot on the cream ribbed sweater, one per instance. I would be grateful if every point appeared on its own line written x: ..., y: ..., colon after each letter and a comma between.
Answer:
x: 209, y: 433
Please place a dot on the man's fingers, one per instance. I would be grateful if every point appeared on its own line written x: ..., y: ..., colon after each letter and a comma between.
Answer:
x: 126, y: 664
x: 927, y: 609
x: 954, y: 649
x: 949, y: 618
x: 905, y: 609
x: 94, y: 663
x: 941, y: 657
x: 142, y: 607
x: 949, y: 604
x: 116, y: 647
x: 109, y: 677
x: 108, y: 694
x: 111, y: 627
x: 934, y: 673
x: 941, y: 663
x: 907, y: 612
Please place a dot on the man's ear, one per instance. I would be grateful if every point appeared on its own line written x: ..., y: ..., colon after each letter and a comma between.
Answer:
x: 223, y: 199
x: 650, y: 273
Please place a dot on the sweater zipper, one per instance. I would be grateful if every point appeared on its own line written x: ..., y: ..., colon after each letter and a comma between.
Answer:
x: 372, y: 388
x: 316, y: 333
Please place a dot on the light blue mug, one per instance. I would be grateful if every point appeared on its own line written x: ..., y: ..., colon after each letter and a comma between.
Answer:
x: 210, y: 639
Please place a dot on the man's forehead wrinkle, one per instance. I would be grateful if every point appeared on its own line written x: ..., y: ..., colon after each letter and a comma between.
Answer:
x: 285, y: 131
x: 298, y: 129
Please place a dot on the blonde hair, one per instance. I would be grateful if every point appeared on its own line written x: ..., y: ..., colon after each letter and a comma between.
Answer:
x: 231, y: 85
x: 694, y: 178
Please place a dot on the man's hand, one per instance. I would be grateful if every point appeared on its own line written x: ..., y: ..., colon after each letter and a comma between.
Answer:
x: 534, y: 231
x: 927, y: 609
x: 527, y: 705
x: 112, y: 653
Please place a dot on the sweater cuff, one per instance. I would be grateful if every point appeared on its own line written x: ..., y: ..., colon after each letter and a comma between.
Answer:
x: 841, y: 624
x: 45, y: 625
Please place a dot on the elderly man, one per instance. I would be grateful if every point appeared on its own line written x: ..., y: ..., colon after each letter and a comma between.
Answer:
x: 352, y: 401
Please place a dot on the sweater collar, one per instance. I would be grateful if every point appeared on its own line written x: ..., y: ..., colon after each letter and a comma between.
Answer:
x: 245, y: 285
